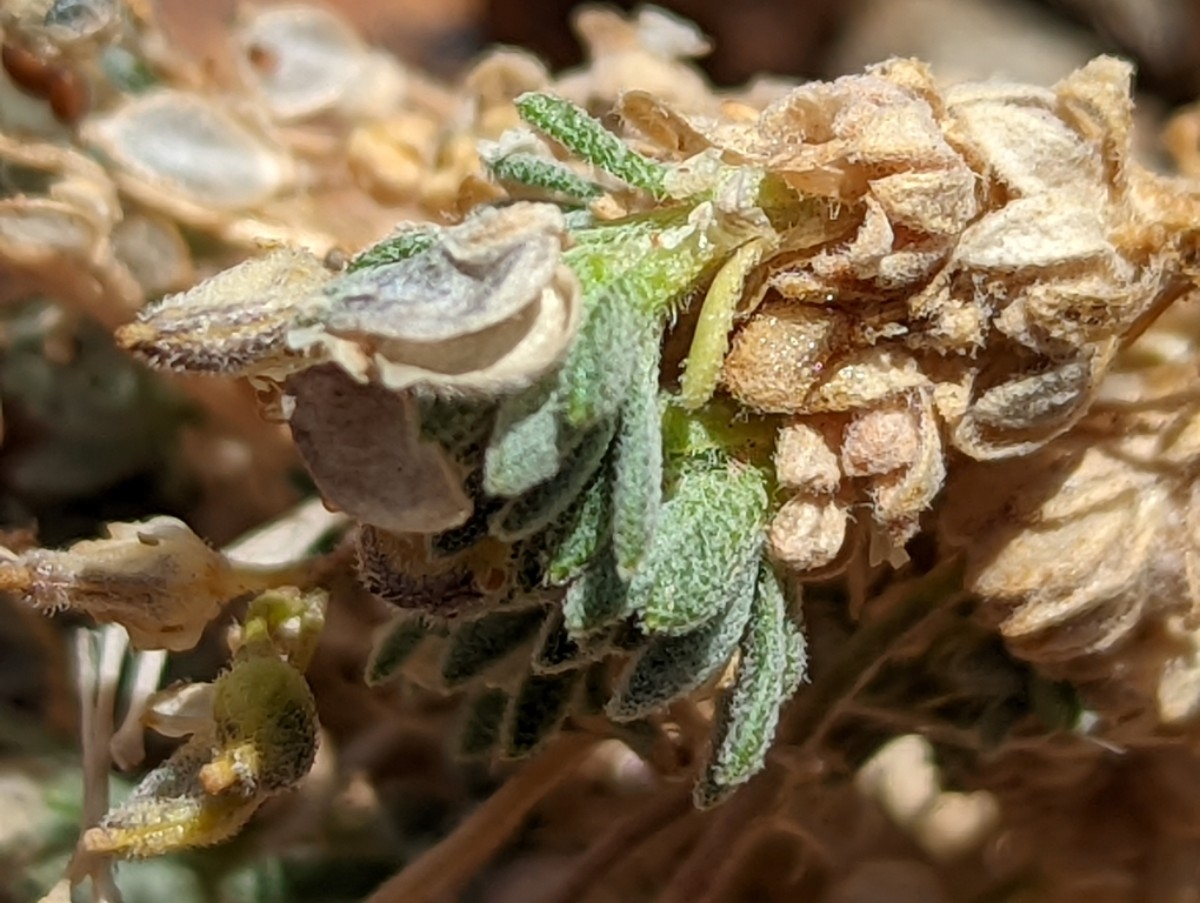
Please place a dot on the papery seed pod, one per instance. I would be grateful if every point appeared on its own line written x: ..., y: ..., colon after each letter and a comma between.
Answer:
x: 581, y: 534
x: 638, y: 466
x: 480, y: 644
x: 489, y: 308
x: 156, y: 578
x: 483, y: 719
x: 670, y: 666
x: 234, y: 323
x: 183, y: 153
x: 808, y: 533
x: 363, y: 446
x: 537, y: 711
x: 806, y: 456
x: 709, y: 535
x: 748, y: 713
x: 541, y: 505
x: 395, y: 642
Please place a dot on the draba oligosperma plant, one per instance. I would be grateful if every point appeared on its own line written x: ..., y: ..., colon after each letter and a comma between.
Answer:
x: 564, y: 531
x: 585, y: 436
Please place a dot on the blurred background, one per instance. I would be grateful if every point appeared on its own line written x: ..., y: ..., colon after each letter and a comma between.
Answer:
x: 1035, y: 40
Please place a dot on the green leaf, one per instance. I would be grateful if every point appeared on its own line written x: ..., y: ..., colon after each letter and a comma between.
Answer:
x: 394, y: 645
x: 638, y: 465
x: 460, y: 425
x: 709, y: 535
x: 538, y: 711
x: 479, y: 644
x: 479, y: 733
x: 588, y: 139
x: 597, y: 599
x: 578, y: 538
x: 524, y: 447
x: 596, y: 374
x: 539, y: 506
x: 669, y: 667
x: 406, y: 242
x: 528, y: 170
x: 556, y: 650
x: 748, y: 714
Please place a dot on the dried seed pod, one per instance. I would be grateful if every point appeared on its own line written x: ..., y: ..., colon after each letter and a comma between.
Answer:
x: 302, y: 61
x: 488, y: 308
x: 806, y: 456
x: 183, y: 154
x: 234, y: 323
x: 156, y: 578
x: 807, y: 533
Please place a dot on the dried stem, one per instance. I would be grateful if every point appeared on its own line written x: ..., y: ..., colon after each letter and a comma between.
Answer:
x: 442, y: 870
x: 622, y: 841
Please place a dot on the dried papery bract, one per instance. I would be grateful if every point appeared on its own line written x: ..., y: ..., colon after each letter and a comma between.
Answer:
x: 156, y: 578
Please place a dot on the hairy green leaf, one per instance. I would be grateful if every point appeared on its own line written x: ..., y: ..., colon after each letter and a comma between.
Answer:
x: 528, y: 170
x: 638, y: 465
x: 556, y: 650
x: 539, y: 506
x: 537, y: 711
x: 406, y: 242
x: 394, y: 645
x: 748, y: 714
x: 479, y: 733
x: 671, y: 666
x: 524, y: 447
x: 578, y: 537
x: 597, y: 599
x: 477, y: 645
x: 588, y: 139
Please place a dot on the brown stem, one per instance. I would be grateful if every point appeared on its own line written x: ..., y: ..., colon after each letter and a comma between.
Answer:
x: 620, y: 842
x: 439, y: 872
